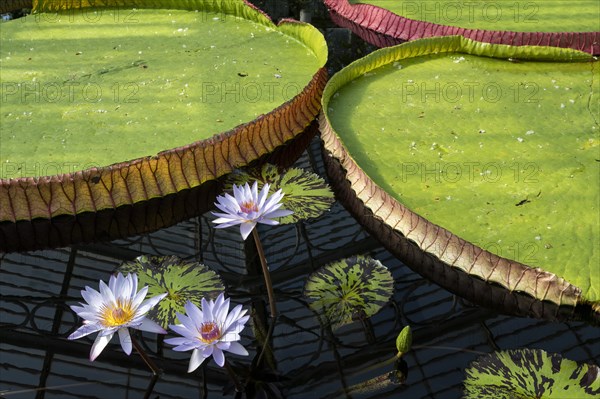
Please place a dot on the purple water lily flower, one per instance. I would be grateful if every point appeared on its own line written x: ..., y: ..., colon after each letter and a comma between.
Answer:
x: 116, y: 308
x: 247, y: 207
x: 210, y: 331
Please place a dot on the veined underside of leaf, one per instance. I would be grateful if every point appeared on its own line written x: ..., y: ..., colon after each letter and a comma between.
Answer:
x: 28, y: 202
x: 501, y: 282
x: 386, y: 23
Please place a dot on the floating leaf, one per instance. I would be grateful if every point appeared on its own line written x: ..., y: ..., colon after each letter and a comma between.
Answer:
x: 182, y: 280
x: 560, y: 23
x: 530, y: 374
x: 349, y: 289
x: 437, y: 191
x: 146, y: 103
x: 305, y: 193
x: 404, y: 341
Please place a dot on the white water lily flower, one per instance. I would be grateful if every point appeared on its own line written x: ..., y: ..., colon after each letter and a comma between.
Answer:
x: 210, y: 331
x: 247, y: 207
x: 117, y: 307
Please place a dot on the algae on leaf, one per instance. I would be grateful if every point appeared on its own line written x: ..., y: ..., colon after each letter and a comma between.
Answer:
x: 484, y: 156
x: 132, y: 83
x: 146, y: 100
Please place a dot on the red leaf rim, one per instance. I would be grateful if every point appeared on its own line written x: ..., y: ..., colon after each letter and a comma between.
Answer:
x: 384, y: 28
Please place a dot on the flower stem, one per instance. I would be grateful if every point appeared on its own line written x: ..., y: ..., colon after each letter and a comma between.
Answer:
x: 156, y: 372
x: 231, y: 372
x: 267, y: 339
x: 266, y: 274
x: 380, y: 364
x: 270, y: 292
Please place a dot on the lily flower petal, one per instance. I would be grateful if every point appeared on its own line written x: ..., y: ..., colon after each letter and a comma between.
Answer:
x: 84, y: 330
x: 196, y: 360
x: 125, y: 340
x: 218, y: 356
x: 99, y: 345
x: 247, y: 207
x: 118, y: 306
x: 246, y: 228
x: 151, y: 326
x: 210, y: 331
x: 238, y: 349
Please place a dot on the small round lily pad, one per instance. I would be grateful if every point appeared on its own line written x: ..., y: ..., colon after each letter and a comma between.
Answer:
x: 304, y: 193
x: 530, y: 374
x: 348, y: 289
x: 182, y: 280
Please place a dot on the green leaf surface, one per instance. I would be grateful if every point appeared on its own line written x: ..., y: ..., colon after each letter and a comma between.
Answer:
x: 348, y: 289
x: 133, y: 82
x: 305, y: 193
x: 530, y: 374
x: 161, y: 80
x: 486, y: 141
x: 512, y: 15
x: 182, y: 280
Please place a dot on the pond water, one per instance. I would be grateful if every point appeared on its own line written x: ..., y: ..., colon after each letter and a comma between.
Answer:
x: 307, y: 359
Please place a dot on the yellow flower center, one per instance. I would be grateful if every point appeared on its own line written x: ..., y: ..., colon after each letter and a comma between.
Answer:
x: 249, y: 206
x: 114, y: 316
x: 209, y: 332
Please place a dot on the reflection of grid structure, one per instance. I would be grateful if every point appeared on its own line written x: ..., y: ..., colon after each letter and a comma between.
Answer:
x: 36, y: 288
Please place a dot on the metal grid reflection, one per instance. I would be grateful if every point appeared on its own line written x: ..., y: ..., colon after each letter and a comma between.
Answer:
x: 36, y: 289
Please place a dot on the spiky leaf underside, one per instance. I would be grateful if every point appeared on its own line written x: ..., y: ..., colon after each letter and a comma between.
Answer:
x: 182, y: 281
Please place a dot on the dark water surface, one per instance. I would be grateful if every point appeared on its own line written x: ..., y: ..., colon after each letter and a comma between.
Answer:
x: 36, y: 360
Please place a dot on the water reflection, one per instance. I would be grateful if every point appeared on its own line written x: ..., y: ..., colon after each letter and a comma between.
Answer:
x: 307, y: 359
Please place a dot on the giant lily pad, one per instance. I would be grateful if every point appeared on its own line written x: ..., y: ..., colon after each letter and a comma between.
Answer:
x: 132, y: 101
x: 183, y: 281
x: 560, y: 23
x: 346, y: 290
x: 530, y: 374
x: 479, y: 171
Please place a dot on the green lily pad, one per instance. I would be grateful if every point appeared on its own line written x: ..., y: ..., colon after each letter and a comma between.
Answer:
x: 305, y: 193
x: 160, y: 79
x: 145, y: 100
x: 182, y: 280
x: 346, y: 290
x: 482, y: 156
x: 530, y: 374
x: 561, y: 23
